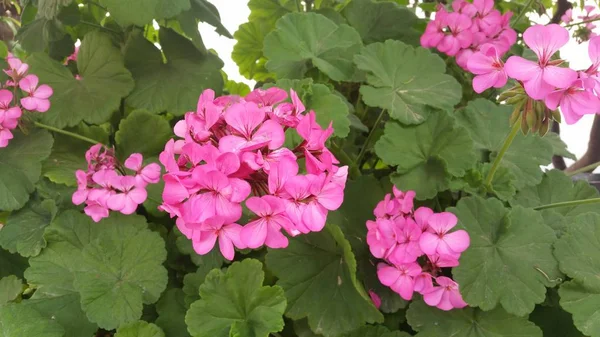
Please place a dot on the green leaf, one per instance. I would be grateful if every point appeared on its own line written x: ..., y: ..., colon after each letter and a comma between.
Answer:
x: 173, y: 86
x: 104, y: 81
x: 468, y: 322
x: 558, y: 146
x: 578, y: 251
x: 11, y: 264
x: 139, y: 329
x: 328, y: 106
x: 236, y: 303
x: 443, y: 150
x: 36, y: 35
x: 154, y: 195
x: 18, y: 320
x: 248, y: 51
x: 24, y: 229
x: 10, y: 288
x: 554, y: 321
x: 509, y: 258
x: 68, y: 154
x: 193, y: 281
x: 121, y: 270
x: 142, y: 132
x: 582, y: 302
x: 403, y: 80
x: 488, y: 126
x: 375, y: 331
x: 379, y: 21
x: 269, y: 10
x: 325, y: 289
x: 3, y: 50
x: 303, y: 37
x: 141, y: 12
x: 171, y: 310
x: 20, y: 167
x: 207, y: 12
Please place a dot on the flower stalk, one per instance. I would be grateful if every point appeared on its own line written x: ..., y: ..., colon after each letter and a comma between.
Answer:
x: 66, y: 133
x: 507, y: 142
x: 568, y: 204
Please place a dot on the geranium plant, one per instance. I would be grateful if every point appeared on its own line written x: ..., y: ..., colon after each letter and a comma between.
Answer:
x: 384, y: 177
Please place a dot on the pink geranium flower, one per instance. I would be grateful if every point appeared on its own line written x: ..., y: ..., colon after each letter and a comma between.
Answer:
x: 435, y: 30
x: 289, y: 114
x: 204, y: 239
x: 37, y: 99
x: 266, y: 230
x: 438, y: 240
x: 488, y: 67
x: 399, y: 277
x: 149, y: 174
x: 542, y: 77
x: 575, y: 101
x: 445, y: 296
x: 128, y: 195
x: 407, y: 248
x: 459, y: 36
x: 568, y: 16
x: 381, y: 236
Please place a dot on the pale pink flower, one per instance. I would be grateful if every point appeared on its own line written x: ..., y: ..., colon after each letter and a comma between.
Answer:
x: 568, y: 16
x: 422, y: 215
x: 435, y: 30
x: 464, y: 7
x: 423, y: 283
x: 325, y: 196
x: 406, y: 249
x: 487, y: 19
x: 80, y: 196
x: 399, y: 277
x: 37, y: 99
x: 149, y: 174
x: 405, y: 199
x: 96, y: 210
x: 267, y: 228
x: 540, y: 78
x: 488, y: 67
x: 458, y: 36
x: 438, y: 240
x: 445, y: 296
x: 574, y: 101
x: 266, y: 98
x: 128, y: 196
x: 289, y: 114
x: 16, y: 68
x: 381, y: 237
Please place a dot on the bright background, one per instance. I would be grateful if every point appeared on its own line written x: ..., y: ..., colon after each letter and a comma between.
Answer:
x: 235, y: 12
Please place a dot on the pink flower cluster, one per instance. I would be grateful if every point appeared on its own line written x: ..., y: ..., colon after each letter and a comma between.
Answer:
x: 575, y: 92
x: 32, y: 97
x: 583, y: 31
x: 106, y: 186
x: 416, y: 245
x: 231, y: 152
x: 467, y: 29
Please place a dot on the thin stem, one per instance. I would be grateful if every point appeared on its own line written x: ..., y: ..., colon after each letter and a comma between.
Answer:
x: 509, y: 139
x: 581, y: 22
x: 568, y: 203
x: 298, y: 6
x: 363, y: 150
x: 590, y: 167
x: 345, y: 159
x: 522, y: 12
x: 66, y: 133
x: 91, y: 24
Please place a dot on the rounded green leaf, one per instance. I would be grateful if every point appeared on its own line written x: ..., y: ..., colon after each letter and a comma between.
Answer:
x: 426, y: 155
x: 141, y: 12
x: 171, y: 311
x: 104, y: 81
x: 375, y: 331
x: 121, y: 270
x: 318, y: 273
x: 20, y: 167
x: 303, y: 37
x: 403, y: 80
x: 554, y: 321
x: 236, y: 303
x: 248, y: 51
x: 139, y: 329
x: 378, y: 21
x: 18, y: 320
x: 487, y: 123
x: 582, y: 303
x: 24, y: 230
x: 10, y: 287
x: 11, y: 264
x: 142, y: 132
x: 509, y: 261
x: 173, y: 86
x: 468, y: 322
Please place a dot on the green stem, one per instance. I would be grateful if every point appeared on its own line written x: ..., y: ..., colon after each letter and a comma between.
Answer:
x: 298, y: 6
x: 568, y: 203
x: 91, y: 24
x: 67, y: 133
x: 363, y: 150
x: 345, y: 159
x: 582, y: 22
x: 522, y: 12
x: 509, y: 139
x: 590, y: 168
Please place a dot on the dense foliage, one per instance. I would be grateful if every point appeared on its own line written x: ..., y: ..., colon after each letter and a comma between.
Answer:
x: 366, y: 187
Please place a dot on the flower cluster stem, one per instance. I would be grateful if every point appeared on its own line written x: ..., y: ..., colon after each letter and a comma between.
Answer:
x: 66, y: 133
x: 581, y: 22
x: 568, y: 203
x: 367, y: 143
x: 509, y: 139
x: 523, y: 12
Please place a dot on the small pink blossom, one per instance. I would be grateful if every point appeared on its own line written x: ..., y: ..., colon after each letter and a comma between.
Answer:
x: 266, y: 230
x: 568, y: 16
x: 488, y: 67
x: 459, y: 35
x: 438, y: 239
x: 37, y: 99
x: 574, y: 101
x: 149, y: 174
x: 128, y: 195
x: 399, y: 277
x: 212, y: 229
x: 445, y: 296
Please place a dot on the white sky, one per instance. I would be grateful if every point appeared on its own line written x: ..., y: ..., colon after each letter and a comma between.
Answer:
x: 235, y: 12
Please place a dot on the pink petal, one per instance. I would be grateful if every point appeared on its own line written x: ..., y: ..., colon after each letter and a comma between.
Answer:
x: 134, y: 162
x: 117, y: 202
x: 445, y: 303
x: 428, y: 242
x: 594, y: 50
x: 259, y: 206
x: 331, y: 196
x: 314, y: 216
x: 457, y: 241
x: 537, y: 88
x: 421, y: 216
x: 456, y: 299
x: 232, y: 143
x: 521, y: 69
x: 483, y: 82
x: 228, y: 163
x: 404, y: 286
x: 559, y: 77
x: 271, y: 131
x: 545, y: 40
x: 244, y: 117
x: 387, y: 275
x: 29, y: 103
x: 138, y: 195
x: 254, y: 234
x: 44, y: 92
x: 434, y: 296
x: 226, y: 247
x: 205, y: 242
x: 442, y: 222
x: 275, y: 239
